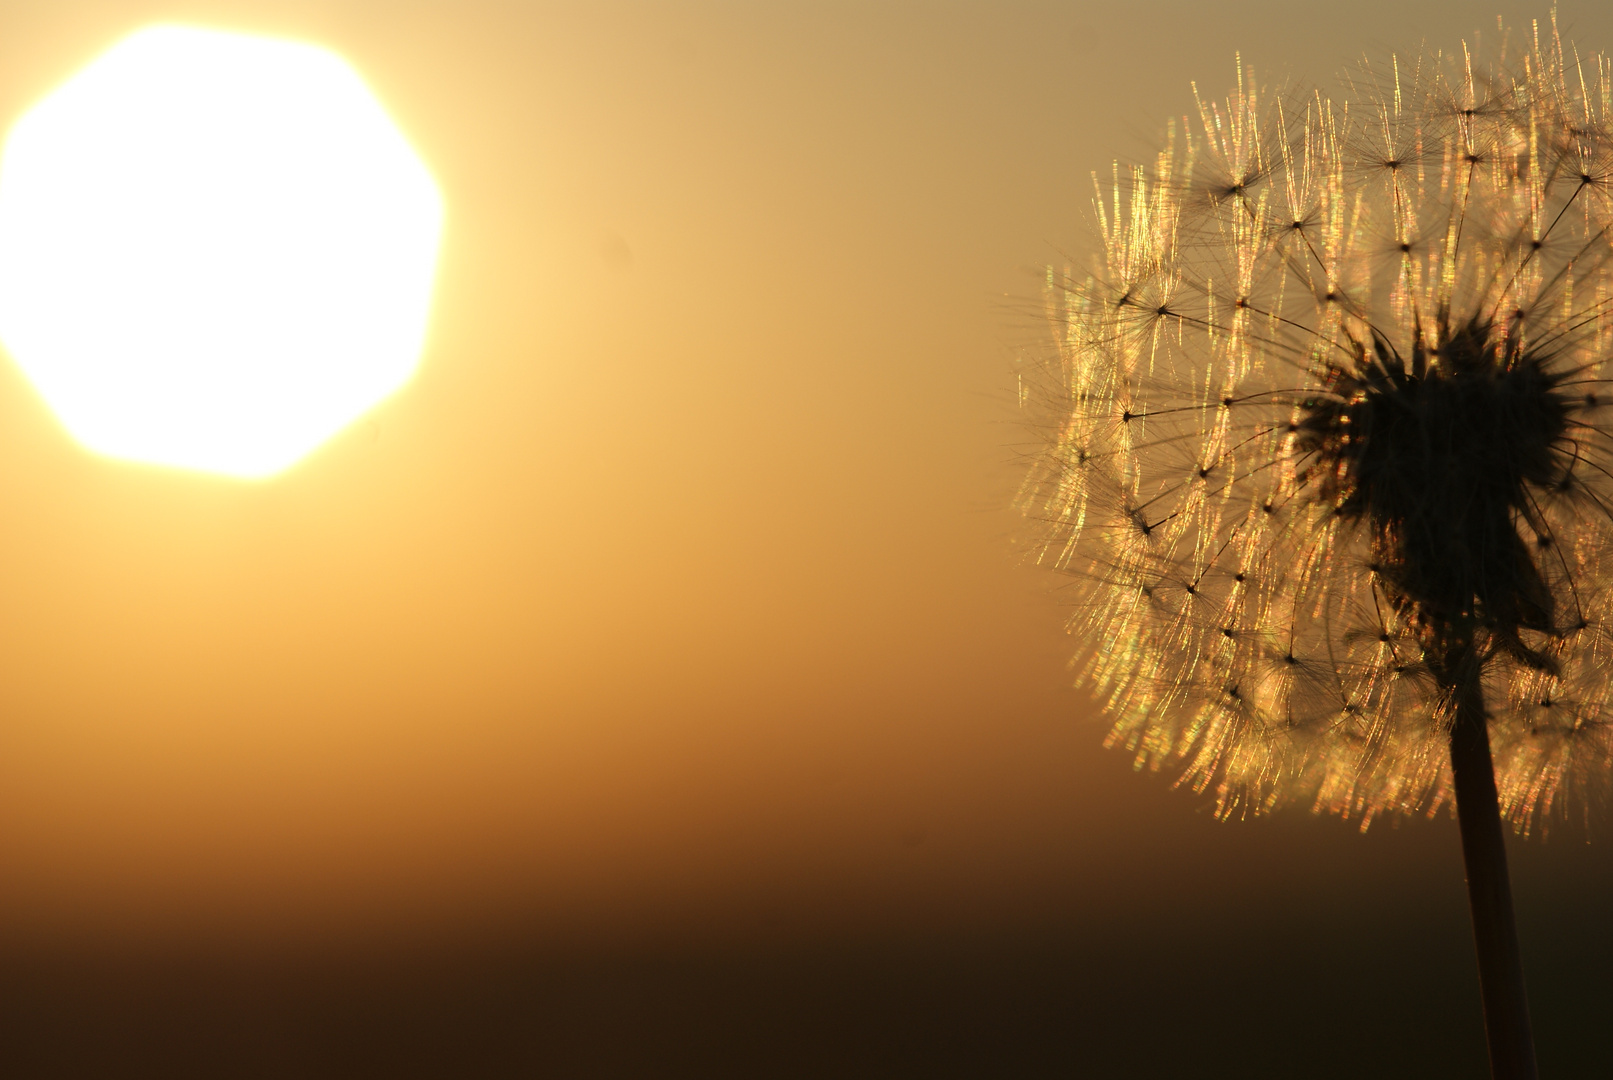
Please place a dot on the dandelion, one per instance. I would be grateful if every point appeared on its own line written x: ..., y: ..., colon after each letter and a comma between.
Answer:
x: 1330, y: 455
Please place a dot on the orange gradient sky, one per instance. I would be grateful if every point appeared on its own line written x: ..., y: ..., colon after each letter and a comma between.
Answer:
x: 677, y: 592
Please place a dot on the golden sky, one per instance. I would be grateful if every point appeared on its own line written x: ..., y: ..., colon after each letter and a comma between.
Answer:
x: 677, y: 592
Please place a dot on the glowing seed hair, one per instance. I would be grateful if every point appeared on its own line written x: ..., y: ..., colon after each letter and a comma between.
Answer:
x: 1330, y: 438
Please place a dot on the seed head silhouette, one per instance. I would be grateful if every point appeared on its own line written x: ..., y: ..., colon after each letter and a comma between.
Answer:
x: 1329, y: 455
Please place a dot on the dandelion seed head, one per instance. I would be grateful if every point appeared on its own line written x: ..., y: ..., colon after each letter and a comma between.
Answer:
x: 1327, y: 414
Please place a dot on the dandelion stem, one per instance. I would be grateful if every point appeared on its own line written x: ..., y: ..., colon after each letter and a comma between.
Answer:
x: 1489, y: 893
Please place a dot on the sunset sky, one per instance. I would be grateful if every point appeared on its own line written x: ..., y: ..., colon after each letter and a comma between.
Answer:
x: 674, y: 608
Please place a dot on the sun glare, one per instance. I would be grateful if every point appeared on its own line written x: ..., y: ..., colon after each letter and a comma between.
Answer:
x: 216, y: 250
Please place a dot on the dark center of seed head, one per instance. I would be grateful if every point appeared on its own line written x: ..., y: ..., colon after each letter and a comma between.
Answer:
x: 1439, y: 467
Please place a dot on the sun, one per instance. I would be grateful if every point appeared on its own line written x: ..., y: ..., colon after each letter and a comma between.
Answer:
x: 216, y: 250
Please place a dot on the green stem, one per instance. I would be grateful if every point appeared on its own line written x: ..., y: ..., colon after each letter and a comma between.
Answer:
x: 1489, y: 893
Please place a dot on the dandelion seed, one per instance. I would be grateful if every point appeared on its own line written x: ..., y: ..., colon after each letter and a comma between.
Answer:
x: 1332, y: 458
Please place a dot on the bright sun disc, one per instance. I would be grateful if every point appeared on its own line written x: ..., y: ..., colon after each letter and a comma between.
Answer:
x: 216, y: 250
